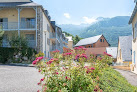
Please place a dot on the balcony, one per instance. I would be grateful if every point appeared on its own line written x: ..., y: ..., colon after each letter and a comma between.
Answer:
x: 65, y: 40
x: 52, y: 36
x: 65, y: 46
x: 52, y: 47
x: 28, y: 25
x: 31, y: 43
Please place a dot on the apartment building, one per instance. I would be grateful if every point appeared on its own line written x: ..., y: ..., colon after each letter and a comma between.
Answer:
x: 58, y: 38
x: 29, y: 19
x: 133, y: 21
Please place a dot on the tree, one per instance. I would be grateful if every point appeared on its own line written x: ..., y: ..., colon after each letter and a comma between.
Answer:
x: 1, y: 35
x: 77, y: 39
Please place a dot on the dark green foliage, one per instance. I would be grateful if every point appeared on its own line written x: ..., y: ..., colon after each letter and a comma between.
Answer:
x: 75, y: 39
x: 112, y: 81
x: 10, y: 53
x: 6, y: 54
x: 1, y: 35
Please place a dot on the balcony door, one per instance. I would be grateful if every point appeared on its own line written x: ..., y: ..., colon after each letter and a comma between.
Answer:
x: 27, y: 23
x: 4, y: 23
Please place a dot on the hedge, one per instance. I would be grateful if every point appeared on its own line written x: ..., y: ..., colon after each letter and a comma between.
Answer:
x: 6, y: 53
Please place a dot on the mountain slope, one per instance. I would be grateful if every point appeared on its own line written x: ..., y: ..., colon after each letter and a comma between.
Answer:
x: 111, y: 28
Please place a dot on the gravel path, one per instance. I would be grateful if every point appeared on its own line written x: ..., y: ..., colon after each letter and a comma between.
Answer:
x: 131, y: 77
x: 19, y: 79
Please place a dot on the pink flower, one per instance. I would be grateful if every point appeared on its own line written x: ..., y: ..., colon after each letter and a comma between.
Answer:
x: 92, y: 68
x: 107, y: 54
x: 38, y: 83
x: 38, y: 91
x: 57, y: 73
x: 42, y: 79
x: 45, y: 89
x: 66, y: 77
x: 34, y: 62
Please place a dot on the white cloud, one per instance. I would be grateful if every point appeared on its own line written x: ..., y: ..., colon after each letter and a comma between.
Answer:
x: 89, y: 20
x: 67, y: 15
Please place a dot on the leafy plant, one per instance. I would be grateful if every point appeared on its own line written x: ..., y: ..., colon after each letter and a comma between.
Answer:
x: 62, y: 73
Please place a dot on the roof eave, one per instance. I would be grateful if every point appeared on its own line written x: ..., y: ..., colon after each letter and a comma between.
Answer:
x: 133, y: 14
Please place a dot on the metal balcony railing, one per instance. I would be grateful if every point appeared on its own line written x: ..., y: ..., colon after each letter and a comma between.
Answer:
x: 14, y: 25
x: 31, y: 43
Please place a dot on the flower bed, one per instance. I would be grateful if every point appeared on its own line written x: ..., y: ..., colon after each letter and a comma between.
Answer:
x: 67, y: 72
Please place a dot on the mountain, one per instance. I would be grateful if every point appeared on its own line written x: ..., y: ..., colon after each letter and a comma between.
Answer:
x: 73, y: 29
x: 111, y: 28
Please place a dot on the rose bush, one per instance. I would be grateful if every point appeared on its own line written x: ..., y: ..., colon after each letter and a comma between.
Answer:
x: 67, y: 72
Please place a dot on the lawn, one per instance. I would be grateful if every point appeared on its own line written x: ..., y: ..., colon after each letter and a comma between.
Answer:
x: 112, y: 81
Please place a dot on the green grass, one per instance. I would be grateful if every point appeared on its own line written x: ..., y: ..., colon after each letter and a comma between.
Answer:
x: 113, y: 81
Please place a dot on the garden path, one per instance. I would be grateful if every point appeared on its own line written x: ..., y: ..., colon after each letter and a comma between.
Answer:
x: 19, y: 79
x: 131, y: 77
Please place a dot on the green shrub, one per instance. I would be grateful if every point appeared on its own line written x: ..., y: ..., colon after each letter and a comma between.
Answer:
x: 112, y: 81
x: 6, y: 54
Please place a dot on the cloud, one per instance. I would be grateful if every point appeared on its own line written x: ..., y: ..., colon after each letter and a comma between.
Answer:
x: 67, y: 15
x: 89, y: 20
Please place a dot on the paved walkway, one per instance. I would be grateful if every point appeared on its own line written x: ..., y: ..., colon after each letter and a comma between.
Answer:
x: 131, y: 77
x: 19, y: 79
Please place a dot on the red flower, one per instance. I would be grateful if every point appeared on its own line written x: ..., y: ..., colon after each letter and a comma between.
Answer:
x: 107, y: 54
x: 95, y: 90
x: 42, y: 79
x: 38, y: 91
x: 66, y: 77
x: 92, y: 68
x: 38, y: 83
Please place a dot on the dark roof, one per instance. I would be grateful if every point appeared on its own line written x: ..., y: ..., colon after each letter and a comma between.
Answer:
x: 18, y: 4
x: 89, y: 40
x: 126, y: 47
x: 7, y: 1
x: 133, y: 15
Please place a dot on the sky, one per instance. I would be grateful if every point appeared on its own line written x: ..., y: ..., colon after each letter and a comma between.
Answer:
x: 85, y: 11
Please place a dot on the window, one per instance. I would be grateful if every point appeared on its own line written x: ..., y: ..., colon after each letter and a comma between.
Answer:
x: 103, y: 40
x: 88, y: 46
x: 92, y: 45
x: 100, y: 40
x: 28, y: 23
x: 48, y: 41
x: 4, y: 22
x: 48, y: 28
x: 135, y: 31
x: 134, y: 57
x: 131, y: 52
x: 30, y: 36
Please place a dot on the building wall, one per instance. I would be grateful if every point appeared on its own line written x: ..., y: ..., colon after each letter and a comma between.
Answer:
x: 101, y: 44
x: 46, y: 36
x: 70, y: 44
x: 12, y: 14
x: 134, y: 46
x: 119, y: 55
x: 98, y: 43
